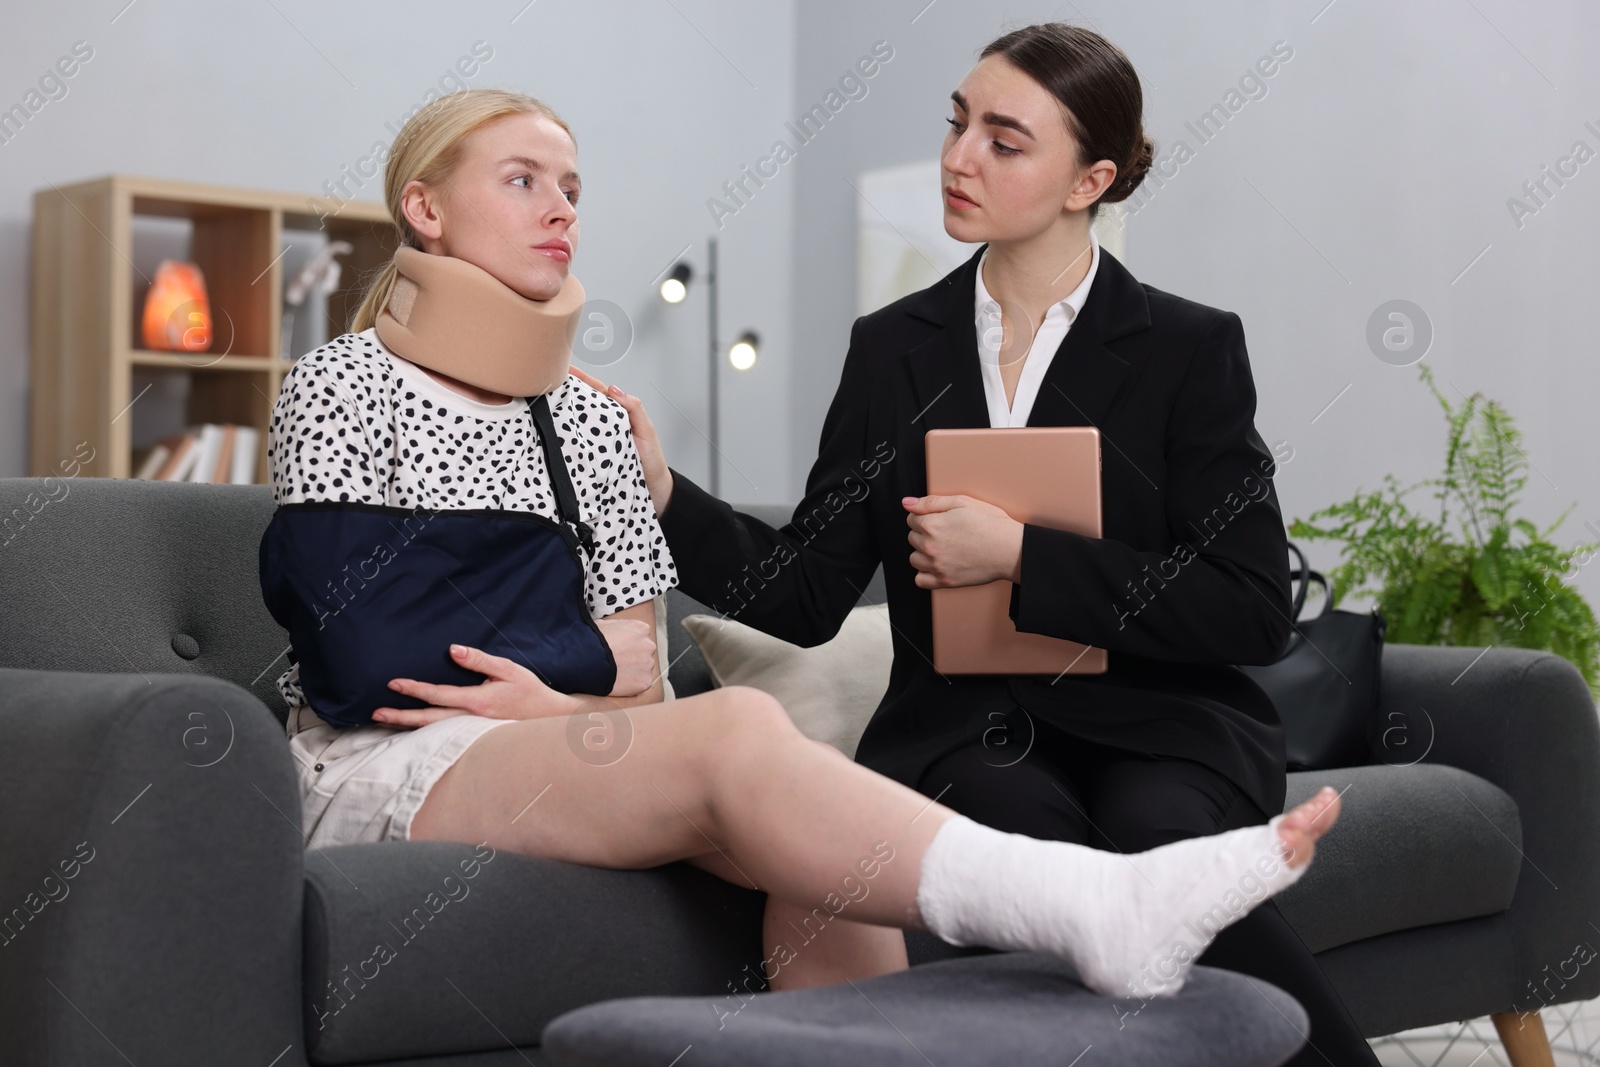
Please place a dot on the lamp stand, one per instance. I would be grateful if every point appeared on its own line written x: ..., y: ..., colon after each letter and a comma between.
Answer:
x: 711, y: 304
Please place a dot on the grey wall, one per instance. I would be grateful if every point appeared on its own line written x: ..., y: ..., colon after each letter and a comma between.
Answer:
x: 667, y: 100
x: 1377, y: 165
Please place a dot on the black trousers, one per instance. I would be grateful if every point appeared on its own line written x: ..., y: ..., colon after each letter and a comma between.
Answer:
x: 1067, y: 789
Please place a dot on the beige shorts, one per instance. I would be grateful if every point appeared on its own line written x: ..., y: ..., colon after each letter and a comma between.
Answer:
x: 366, y: 783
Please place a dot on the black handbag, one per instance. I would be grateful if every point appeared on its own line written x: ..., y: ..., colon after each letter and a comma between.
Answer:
x: 1325, y: 686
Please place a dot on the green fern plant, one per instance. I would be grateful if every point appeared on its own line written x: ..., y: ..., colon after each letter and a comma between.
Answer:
x: 1486, y: 587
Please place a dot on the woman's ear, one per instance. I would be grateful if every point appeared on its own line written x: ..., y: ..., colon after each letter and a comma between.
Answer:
x: 1090, y: 184
x: 421, y: 205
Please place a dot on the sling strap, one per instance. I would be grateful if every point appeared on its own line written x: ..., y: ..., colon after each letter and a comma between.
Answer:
x: 575, y: 531
x: 566, y: 497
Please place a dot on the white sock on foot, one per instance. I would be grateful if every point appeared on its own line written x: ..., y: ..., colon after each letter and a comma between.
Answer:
x: 1130, y: 924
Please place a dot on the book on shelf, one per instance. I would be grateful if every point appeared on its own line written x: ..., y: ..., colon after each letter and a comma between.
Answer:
x: 212, y: 452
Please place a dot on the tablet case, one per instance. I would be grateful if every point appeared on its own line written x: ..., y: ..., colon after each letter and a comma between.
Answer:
x: 1044, y: 475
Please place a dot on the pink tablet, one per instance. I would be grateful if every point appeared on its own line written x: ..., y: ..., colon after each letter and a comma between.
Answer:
x: 1045, y: 475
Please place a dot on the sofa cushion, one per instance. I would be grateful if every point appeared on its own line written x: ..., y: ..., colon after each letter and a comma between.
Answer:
x: 1012, y: 1008
x: 1413, y: 845
x: 124, y: 574
x: 689, y: 674
x: 423, y: 948
x: 686, y: 667
x: 830, y: 690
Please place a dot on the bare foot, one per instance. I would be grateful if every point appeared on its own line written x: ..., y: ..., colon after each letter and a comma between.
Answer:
x: 1303, y: 825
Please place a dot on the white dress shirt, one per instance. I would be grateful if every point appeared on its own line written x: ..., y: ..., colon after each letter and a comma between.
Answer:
x: 1052, y: 331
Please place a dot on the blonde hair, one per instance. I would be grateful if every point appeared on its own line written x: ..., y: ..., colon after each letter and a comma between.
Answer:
x: 427, y: 149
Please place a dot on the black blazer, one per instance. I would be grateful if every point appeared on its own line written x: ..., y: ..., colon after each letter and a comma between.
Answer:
x: 1190, y: 577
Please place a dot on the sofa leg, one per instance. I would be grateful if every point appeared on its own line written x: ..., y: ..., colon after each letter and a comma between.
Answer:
x: 1523, y: 1036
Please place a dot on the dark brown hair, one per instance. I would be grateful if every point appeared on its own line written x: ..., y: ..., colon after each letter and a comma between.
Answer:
x: 1098, y: 89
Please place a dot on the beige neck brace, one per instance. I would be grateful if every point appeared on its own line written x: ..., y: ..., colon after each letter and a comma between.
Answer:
x: 456, y: 318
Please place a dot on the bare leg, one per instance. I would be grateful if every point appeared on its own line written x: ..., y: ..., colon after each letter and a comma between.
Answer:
x: 724, y: 772
x: 841, y: 949
x: 821, y: 950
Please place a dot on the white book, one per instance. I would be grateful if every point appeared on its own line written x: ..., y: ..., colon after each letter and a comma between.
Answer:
x: 210, y: 441
x: 154, y: 461
x: 244, y: 456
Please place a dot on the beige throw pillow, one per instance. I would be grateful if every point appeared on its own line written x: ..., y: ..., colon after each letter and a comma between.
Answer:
x: 830, y: 691
x: 661, y: 647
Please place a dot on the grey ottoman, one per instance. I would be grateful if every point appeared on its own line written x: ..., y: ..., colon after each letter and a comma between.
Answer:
x: 1013, y: 1008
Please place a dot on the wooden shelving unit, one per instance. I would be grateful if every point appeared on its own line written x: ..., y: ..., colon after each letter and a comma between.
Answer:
x: 85, y: 332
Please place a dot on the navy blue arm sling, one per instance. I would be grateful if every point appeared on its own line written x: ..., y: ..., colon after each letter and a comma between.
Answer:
x: 373, y: 592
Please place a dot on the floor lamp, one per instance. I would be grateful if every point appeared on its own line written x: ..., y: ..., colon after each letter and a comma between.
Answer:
x: 741, y: 354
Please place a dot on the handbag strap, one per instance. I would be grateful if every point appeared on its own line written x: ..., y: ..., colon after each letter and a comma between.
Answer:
x: 1307, y: 576
x: 566, y: 497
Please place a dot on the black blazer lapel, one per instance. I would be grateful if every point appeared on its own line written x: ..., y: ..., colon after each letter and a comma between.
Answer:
x: 1084, y: 375
x: 944, y: 368
x: 1081, y: 381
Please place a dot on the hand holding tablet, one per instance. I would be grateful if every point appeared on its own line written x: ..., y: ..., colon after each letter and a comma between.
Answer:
x: 1044, y: 475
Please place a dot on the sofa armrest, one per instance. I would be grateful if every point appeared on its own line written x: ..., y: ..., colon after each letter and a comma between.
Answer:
x: 151, y: 894
x: 1525, y: 721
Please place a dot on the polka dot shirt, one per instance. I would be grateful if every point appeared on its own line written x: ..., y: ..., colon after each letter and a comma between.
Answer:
x: 353, y: 421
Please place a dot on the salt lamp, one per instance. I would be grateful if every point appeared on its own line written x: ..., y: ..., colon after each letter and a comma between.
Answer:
x: 177, y: 315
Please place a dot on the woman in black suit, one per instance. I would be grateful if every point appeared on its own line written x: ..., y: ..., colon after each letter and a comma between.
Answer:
x: 1189, y: 578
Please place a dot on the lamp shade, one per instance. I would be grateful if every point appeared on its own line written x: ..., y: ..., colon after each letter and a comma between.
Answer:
x: 676, y: 284
x: 743, y: 353
x: 177, y: 314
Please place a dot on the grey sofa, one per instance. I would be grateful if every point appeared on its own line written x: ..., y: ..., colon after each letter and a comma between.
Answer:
x: 159, y: 906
